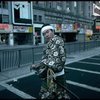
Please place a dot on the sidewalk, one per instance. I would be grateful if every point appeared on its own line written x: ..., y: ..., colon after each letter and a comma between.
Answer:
x: 24, y: 71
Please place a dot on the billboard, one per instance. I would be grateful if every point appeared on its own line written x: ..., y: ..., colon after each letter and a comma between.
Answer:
x: 63, y: 27
x: 22, y: 29
x: 22, y: 12
x: 96, y: 10
x: 6, y: 28
x: 67, y: 28
x: 97, y: 24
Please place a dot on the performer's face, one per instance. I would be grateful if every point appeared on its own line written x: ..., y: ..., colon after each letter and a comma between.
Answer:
x: 48, y: 34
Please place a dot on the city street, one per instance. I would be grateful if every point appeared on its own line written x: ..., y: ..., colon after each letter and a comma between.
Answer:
x: 28, y: 32
x: 82, y: 78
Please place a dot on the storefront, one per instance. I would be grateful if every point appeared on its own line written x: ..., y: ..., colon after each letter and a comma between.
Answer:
x: 23, y: 34
x: 5, y: 30
x: 37, y: 33
x: 67, y: 31
x: 88, y: 34
x: 22, y: 19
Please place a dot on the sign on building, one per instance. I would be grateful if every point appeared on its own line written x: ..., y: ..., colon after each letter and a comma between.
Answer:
x: 22, y: 29
x: 6, y: 28
x: 96, y: 10
x: 22, y: 12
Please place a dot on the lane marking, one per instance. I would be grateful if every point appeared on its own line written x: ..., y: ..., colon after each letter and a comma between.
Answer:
x: 18, y: 77
x: 95, y: 58
x: 83, y: 85
x: 18, y: 92
x: 88, y: 62
x: 83, y: 70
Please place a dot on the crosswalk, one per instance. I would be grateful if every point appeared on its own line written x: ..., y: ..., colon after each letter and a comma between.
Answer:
x: 83, y: 85
x: 18, y: 92
x: 83, y: 76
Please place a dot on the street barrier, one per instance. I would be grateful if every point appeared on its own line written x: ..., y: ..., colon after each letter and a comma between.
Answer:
x: 20, y: 56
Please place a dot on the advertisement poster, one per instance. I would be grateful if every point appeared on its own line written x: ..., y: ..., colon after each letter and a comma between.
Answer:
x: 58, y: 28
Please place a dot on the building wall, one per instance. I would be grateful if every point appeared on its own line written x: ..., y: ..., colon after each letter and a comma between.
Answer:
x: 54, y: 11
x: 57, y: 12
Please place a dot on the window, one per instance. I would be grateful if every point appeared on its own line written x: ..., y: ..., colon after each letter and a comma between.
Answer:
x: 37, y: 2
x: 0, y: 4
x: 0, y: 18
x: 35, y: 17
x: 40, y: 18
x: 75, y: 4
x: 5, y: 19
x: 5, y: 4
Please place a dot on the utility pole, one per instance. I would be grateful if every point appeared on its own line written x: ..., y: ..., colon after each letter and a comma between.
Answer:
x: 32, y: 14
x: 11, y: 35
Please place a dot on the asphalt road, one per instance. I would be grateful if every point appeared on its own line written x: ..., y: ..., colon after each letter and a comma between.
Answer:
x: 82, y: 78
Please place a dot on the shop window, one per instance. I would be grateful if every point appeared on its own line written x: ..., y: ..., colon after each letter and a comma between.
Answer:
x: 50, y: 5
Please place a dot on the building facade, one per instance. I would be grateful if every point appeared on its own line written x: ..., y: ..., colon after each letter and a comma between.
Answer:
x: 16, y: 24
x: 96, y: 15
x: 68, y: 17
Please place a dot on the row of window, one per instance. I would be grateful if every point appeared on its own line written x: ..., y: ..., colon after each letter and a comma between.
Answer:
x: 3, y: 4
x: 5, y: 18
x: 69, y: 5
x: 37, y: 18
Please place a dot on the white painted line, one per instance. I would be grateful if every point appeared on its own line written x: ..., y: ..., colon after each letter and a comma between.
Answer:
x: 83, y: 85
x: 95, y: 58
x: 83, y: 70
x: 18, y: 92
x: 25, y: 75
x: 88, y: 62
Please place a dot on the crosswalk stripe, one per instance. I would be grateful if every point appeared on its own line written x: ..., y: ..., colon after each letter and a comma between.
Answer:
x: 83, y: 70
x: 18, y: 92
x: 95, y: 58
x: 88, y: 62
x: 18, y: 77
x: 83, y: 85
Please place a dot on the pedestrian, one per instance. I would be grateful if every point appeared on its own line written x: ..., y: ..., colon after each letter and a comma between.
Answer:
x: 54, y: 57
